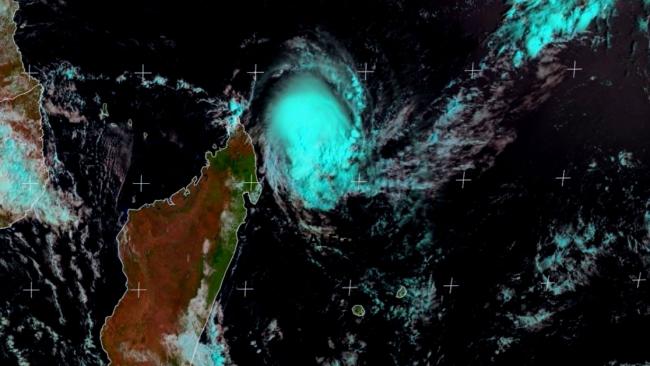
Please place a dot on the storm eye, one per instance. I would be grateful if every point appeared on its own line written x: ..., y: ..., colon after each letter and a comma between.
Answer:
x: 305, y: 108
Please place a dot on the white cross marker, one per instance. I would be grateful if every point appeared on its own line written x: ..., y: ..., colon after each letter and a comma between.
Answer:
x: 141, y: 183
x: 365, y: 71
x: 30, y: 184
x: 463, y: 180
x: 245, y: 288
x: 359, y: 180
x: 29, y: 70
x: 251, y: 182
x: 638, y: 280
x: 472, y: 71
x: 255, y: 72
x: 142, y: 73
x: 563, y: 178
x: 547, y: 283
x: 31, y: 290
x: 349, y: 287
x: 138, y: 290
x: 574, y: 69
x: 451, y: 285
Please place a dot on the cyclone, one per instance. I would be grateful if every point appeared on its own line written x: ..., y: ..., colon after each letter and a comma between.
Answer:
x: 327, y: 134
x: 318, y: 138
x: 314, y: 142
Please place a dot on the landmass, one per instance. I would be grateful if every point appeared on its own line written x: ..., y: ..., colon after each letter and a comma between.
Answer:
x: 176, y: 252
x: 23, y: 172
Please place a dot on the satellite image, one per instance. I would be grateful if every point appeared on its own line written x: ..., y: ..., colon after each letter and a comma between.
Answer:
x: 338, y: 183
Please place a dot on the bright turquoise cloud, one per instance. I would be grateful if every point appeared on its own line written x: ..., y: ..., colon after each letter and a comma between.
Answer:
x: 21, y: 186
x: 316, y: 136
x: 531, y: 25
